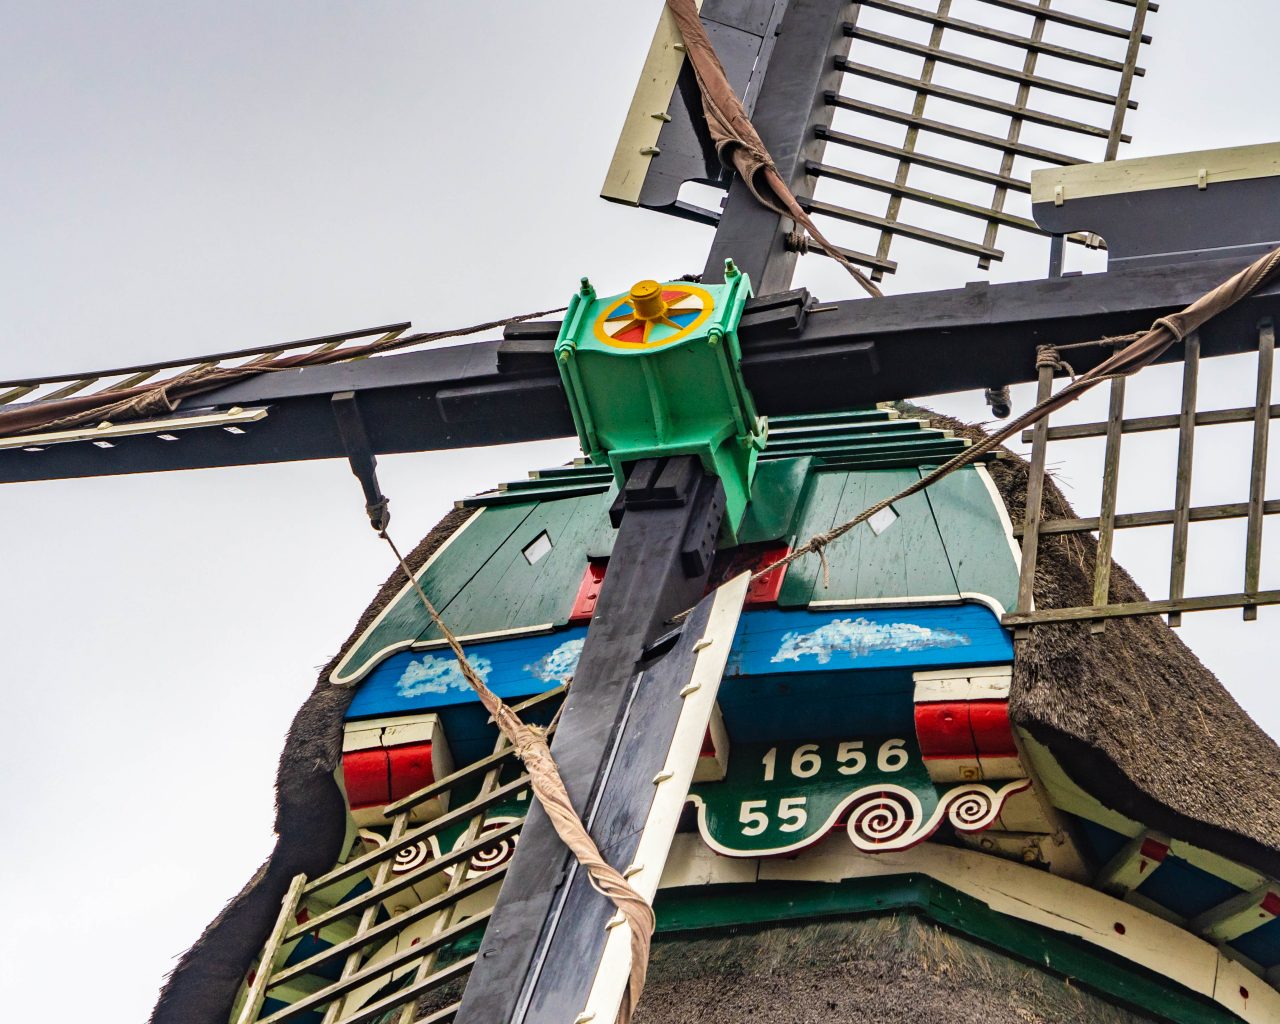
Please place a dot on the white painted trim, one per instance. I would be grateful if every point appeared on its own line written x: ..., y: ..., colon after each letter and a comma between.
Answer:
x: 961, y: 684
x: 1003, y: 513
x: 645, y: 872
x: 652, y: 97
x: 476, y: 638
x: 1017, y: 891
x: 922, y: 601
x: 1141, y: 174
x: 106, y: 429
x: 336, y: 677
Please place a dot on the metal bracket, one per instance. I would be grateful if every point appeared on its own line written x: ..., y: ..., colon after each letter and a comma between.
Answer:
x: 364, y: 464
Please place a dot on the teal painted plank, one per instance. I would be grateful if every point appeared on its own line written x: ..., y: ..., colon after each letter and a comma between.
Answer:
x: 457, y: 564
x: 492, y: 598
x: 822, y: 498
x: 849, y: 415
x: 974, y: 536
x: 775, y: 495
x: 906, y: 560
x: 554, y: 582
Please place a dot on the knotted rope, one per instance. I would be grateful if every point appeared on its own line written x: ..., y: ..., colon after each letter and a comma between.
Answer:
x: 1147, y: 347
x: 530, y: 744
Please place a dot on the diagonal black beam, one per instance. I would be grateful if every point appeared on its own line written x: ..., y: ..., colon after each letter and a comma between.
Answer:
x: 798, y: 356
x: 650, y: 579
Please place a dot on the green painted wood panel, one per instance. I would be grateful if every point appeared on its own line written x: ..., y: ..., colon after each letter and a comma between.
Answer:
x: 974, y: 536
x: 508, y: 592
x: 906, y: 560
x: 821, y: 500
x: 456, y: 566
x: 776, y: 492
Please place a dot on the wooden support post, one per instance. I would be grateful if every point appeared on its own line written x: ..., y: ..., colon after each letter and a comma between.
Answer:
x: 1238, y: 915
x: 1035, y: 498
x: 1258, y: 469
x: 1135, y: 862
x: 1186, y: 450
x: 258, y: 989
x: 1107, y: 512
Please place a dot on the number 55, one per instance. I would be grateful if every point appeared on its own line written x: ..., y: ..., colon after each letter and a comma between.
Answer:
x: 752, y: 817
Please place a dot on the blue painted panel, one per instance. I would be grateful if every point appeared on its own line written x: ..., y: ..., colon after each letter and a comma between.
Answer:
x: 776, y: 641
x: 426, y: 680
x: 1185, y: 889
x: 792, y: 674
x: 799, y: 674
x: 1261, y: 945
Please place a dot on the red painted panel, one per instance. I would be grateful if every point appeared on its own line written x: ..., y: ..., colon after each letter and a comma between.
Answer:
x: 1153, y: 849
x: 943, y: 728
x: 766, y: 589
x: 410, y: 768
x: 584, y: 605
x: 1271, y: 903
x: 991, y: 731
x: 708, y: 745
x: 367, y: 777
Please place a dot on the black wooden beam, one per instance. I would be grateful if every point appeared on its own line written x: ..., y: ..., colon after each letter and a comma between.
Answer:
x: 798, y: 356
x: 801, y: 68
x: 647, y: 583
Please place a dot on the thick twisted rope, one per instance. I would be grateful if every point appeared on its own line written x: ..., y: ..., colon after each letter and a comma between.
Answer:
x: 530, y: 745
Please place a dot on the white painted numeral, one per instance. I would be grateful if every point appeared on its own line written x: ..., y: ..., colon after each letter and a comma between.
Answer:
x: 892, y: 756
x: 753, y: 818
x: 852, y: 759
x: 769, y: 760
x: 791, y: 810
x: 805, y: 762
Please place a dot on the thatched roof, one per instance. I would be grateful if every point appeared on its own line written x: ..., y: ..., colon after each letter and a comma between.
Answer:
x: 894, y: 969
x: 1132, y: 715
x: 310, y: 825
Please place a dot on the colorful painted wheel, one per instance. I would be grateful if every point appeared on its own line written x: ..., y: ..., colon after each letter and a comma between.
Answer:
x: 652, y: 315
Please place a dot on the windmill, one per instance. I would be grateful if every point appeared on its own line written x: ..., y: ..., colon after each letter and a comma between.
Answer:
x: 807, y: 360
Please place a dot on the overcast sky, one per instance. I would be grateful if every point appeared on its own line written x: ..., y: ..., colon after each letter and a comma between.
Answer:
x: 185, y: 177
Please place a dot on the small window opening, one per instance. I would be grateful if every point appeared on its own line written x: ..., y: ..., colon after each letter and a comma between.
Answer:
x: 538, y: 548
x: 882, y: 520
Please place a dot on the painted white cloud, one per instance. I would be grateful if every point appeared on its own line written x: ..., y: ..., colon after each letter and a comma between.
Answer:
x: 438, y: 673
x: 860, y: 637
x: 558, y: 665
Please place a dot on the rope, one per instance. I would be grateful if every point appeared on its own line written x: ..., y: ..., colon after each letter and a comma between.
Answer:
x: 164, y: 396
x: 737, y: 142
x: 530, y: 745
x: 1148, y: 346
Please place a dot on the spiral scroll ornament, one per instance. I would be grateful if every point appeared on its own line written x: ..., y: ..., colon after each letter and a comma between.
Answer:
x: 973, y: 808
x: 881, y: 818
x: 409, y: 857
x: 891, y: 818
x: 494, y: 854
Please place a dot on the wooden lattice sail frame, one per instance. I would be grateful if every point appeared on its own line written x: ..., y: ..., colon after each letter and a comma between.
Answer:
x: 903, y: 88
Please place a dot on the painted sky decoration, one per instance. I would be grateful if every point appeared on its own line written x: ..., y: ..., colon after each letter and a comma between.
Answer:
x: 859, y: 637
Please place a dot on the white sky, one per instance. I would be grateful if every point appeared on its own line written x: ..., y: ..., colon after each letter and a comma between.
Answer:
x: 187, y: 177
